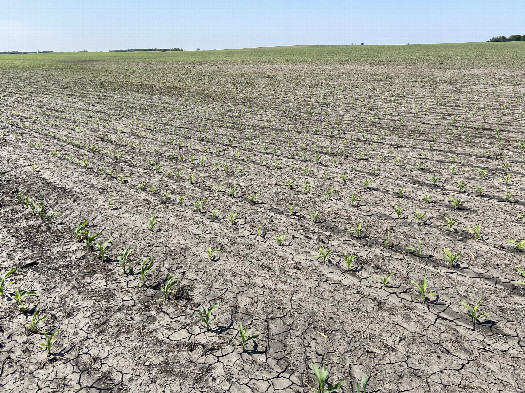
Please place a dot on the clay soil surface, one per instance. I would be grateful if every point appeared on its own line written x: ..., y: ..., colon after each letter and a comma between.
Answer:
x: 304, y: 190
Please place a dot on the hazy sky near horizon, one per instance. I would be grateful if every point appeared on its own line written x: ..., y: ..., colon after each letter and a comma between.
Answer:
x: 95, y: 25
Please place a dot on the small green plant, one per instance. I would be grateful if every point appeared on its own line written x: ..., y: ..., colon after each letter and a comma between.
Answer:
x: 166, y: 288
x: 330, y: 193
x: 152, y: 223
x: 3, y: 278
x: 244, y: 337
x: 212, y: 252
x: 290, y: 183
x: 398, y: 211
x: 385, y: 280
x: 506, y: 178
x: 35, y: 320
x: 103, y: 248
x: 450, y: 222
x: 19, y: 298
x: 215, y: 214
x: 233, y: 217
x: 321, y: 376
x: 349, y: 259
x: 314, y: 216
x: 426, y: 198
x: 518, y: 244
x: 180, y: 199
x: 434, y: 180
x: 280, y: 239
x: 111, y: 203
x: 479, y: 189
x: 400, y: 193
x: 254, y: 198
x: 368, y: 182
x: 197, y: 205
x: 451, y: 257
x: 80, y: 232
x: 457, y: 203
x: 417, y: 250
x: 473, y: 311
x: 355, y: 199
x: 420, y: 216
x: 123, y: 258
x: 49, y: 341
x: 522, y: 272
x: 476, y: 231
x: 423, y: 290
x: 360, y: 387
x: 453, y: 168
x: 357, y: 229
x: 323, y: 254
x: 90, y: 239
x: 483, y: 173
x: 145, y: 267
x: 461, y: 185
x: 205, y: 315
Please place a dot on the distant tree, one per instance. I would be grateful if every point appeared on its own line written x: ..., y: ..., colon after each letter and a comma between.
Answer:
x: 502, y: 38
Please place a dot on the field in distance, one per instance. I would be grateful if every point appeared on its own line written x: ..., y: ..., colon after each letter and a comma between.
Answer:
x: 216, y: 221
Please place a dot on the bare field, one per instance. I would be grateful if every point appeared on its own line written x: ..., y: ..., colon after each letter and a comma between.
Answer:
x: 306, y: 192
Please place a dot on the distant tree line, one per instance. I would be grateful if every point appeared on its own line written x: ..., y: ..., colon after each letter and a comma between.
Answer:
x: 148, y: 50
x: 15, y: 52
x: 502, y: 38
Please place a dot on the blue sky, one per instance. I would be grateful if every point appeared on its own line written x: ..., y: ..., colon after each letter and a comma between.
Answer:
x: 71, y: 25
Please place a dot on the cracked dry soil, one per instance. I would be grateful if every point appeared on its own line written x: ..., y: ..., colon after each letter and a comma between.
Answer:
x: 114, y: 140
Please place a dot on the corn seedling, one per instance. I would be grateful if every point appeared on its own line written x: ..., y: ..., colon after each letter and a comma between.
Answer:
x: 233, y: 217
x: 476, y: 231
x: 423, y: 289
x: 360, y: 387
x: 388, y: 240
x: 461, y: 185
x: 80, y: 233
x: 417, y: 250
x: 152, y: 223
x: 456, y: 202
x: 349, y: 259
x: 280, y: 239
x: 145, y: 267
x: 355, y: 199
x: 103, y: 248
x: 420, y: 216
x: 400, y: 193
x: 473, y: 311
x: 451, y: 257
x: 321, y: 376
x: 434, y: 180
x: 518, y: 244
x: 367, y: 183
x: 205, y: 315
x: 254, y: 198
x: 398, y: 211
x: 483, y: 173
x: 290, y: 210
x: 290, y: 183
x: 385, y: 280
x: 90, y: 239
x: 166, y: 288
x: 506, y: 178
x: 244, y: 337
x: 357, y: 230
x: 3, y: 278
x: 48, y: 343
x: 35, y: 320
x: 180, y: 199
x: 212, y: 252
x: 197, y: 205
x: 522, y: 272
x: 314, y: 216
x: 330, y: 193
x: 215, y: 214
x: 123, y: 257
x: 20, y: 296
x: 323, y: 254
x: 452, y: 168
x: 509, y: 196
